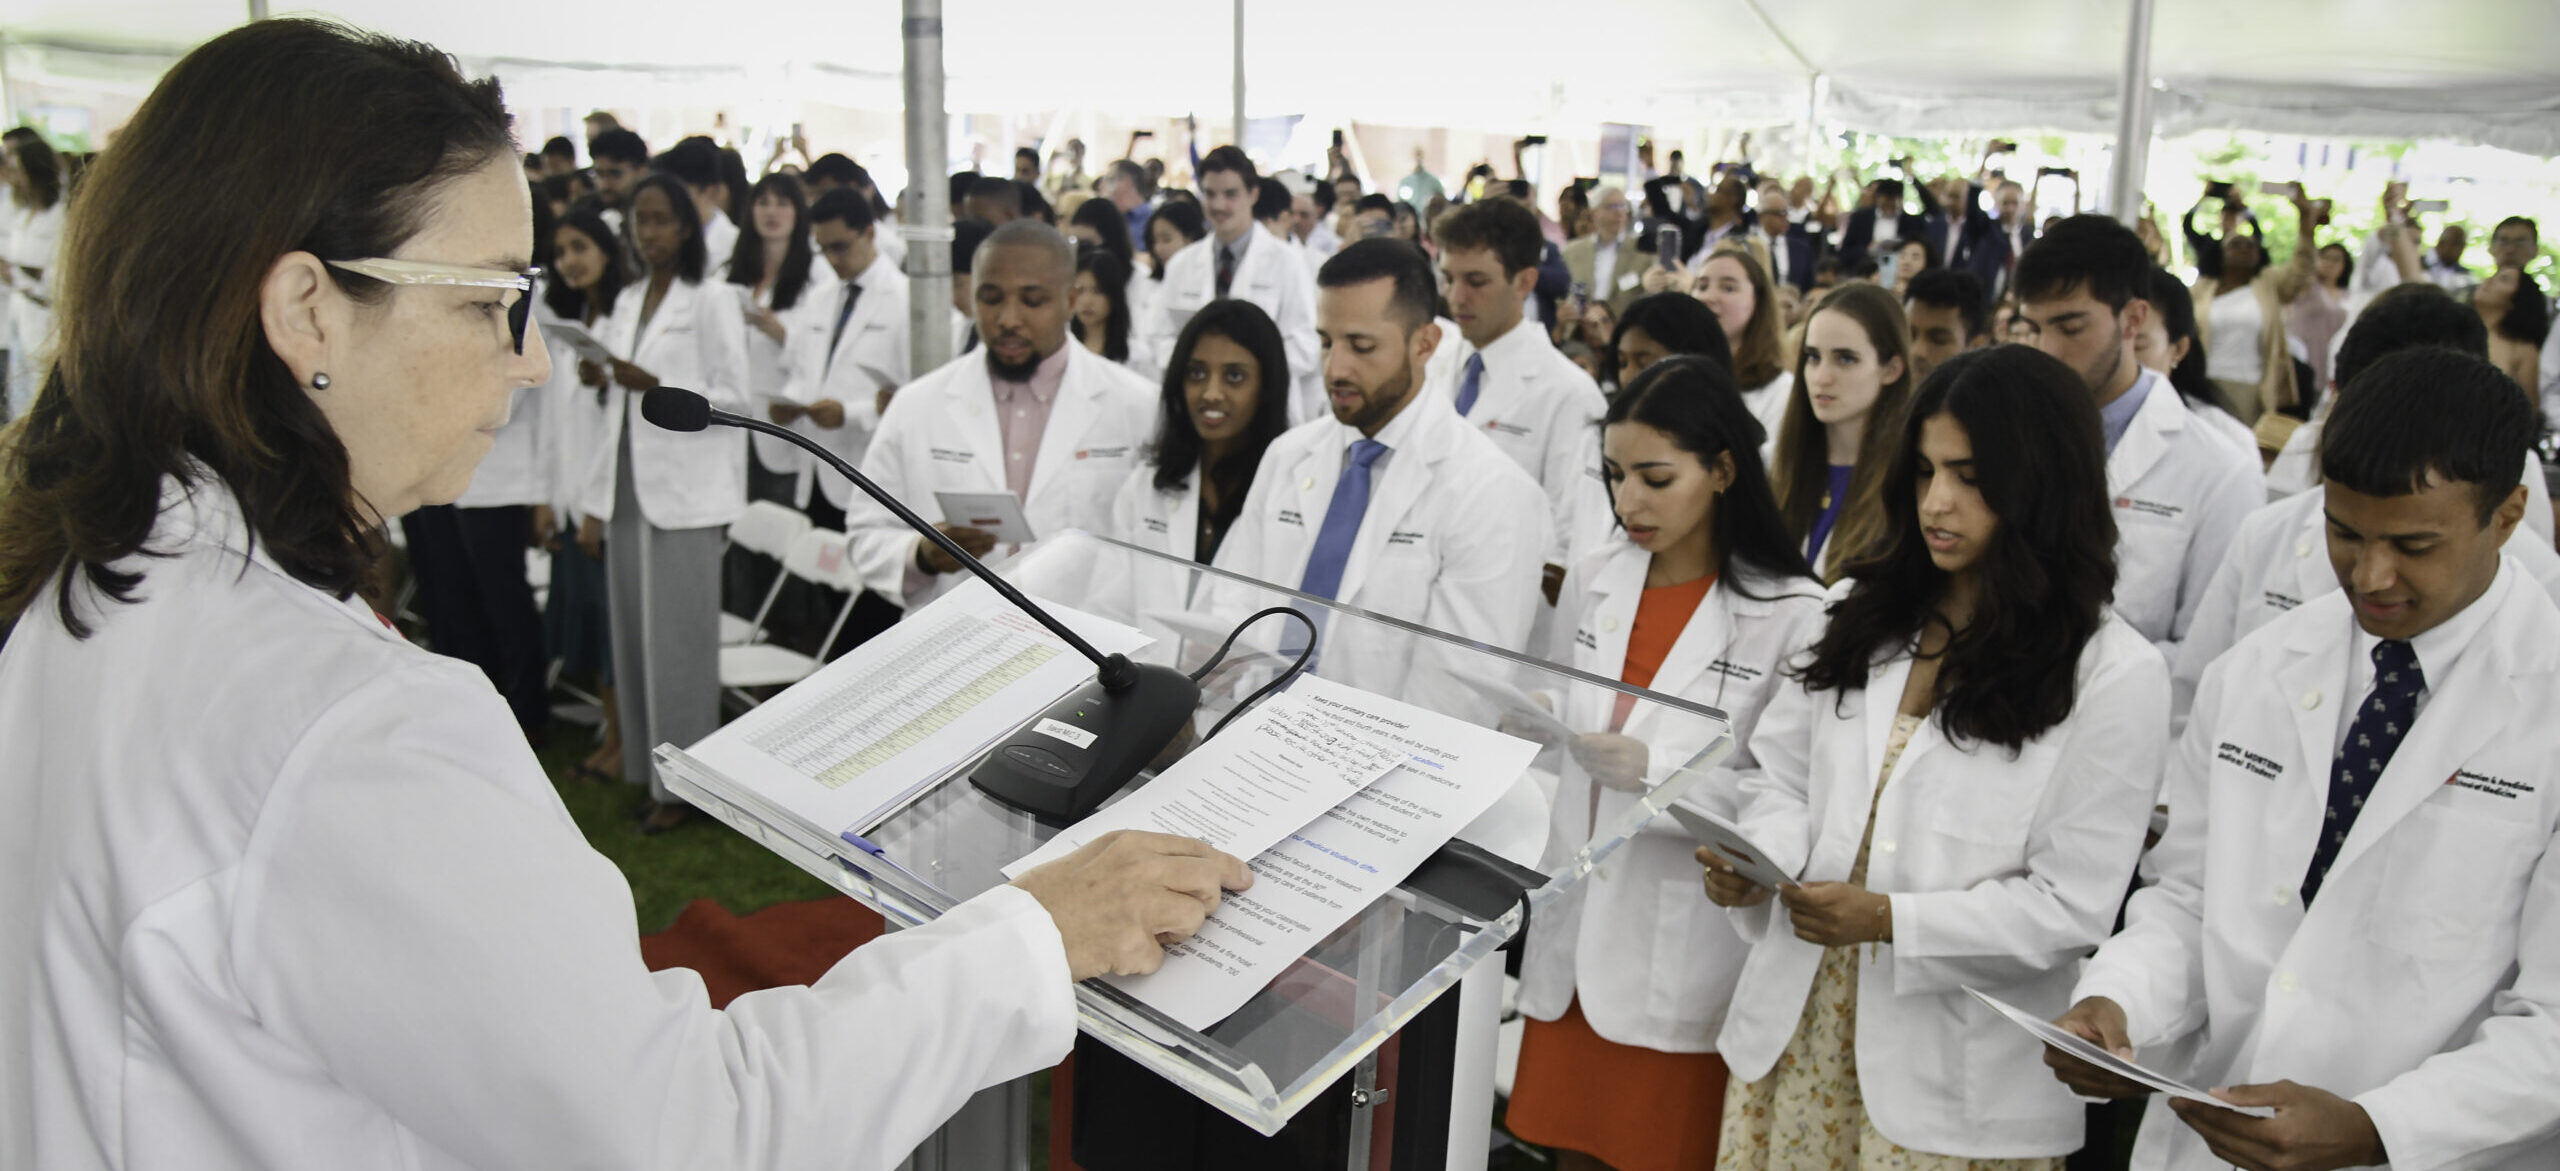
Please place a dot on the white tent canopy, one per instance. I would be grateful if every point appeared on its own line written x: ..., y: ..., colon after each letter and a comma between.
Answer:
x: 2486, y: 71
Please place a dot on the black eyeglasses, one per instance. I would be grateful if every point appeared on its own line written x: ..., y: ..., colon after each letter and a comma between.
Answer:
x: 418, y: 272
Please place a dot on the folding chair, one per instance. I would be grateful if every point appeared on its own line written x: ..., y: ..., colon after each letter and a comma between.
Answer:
x: 768, y: 529
x: 819, y: 558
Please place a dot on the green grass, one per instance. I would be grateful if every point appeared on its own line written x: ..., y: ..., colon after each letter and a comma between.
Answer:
x: 701, y: 859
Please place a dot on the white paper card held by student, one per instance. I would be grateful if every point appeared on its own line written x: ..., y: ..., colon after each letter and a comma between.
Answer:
x: 998, y: 514
x: 1726, y: 838
x: 1278, y: 768
x: 585, y: 343
x: 1330, y: 869
x: 2073, y: 1044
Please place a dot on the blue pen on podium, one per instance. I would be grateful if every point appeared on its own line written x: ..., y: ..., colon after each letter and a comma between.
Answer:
x: 917, y: 885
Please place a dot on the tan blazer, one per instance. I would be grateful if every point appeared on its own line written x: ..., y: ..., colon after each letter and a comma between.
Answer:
x: 2275, y: 288
x: 1579, y: 257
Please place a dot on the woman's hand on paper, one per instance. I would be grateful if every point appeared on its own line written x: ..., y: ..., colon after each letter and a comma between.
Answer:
x: 1127, y: 895
x: 2100, y: 1022
x: 591, y: 373
x: 2313, y: 1129
x: 1838, y: 914
x: 632, y: 377
x: 1613, y: 760
x: 827, y: 413
x: 1725, y: 888
x: 978, y: 543
x: 784, y: 412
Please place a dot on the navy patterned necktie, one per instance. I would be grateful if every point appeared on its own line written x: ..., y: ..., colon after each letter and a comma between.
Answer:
x: 2379, y: 727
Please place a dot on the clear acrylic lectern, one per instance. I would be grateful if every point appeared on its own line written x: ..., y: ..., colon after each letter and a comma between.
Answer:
x: 1353, y: 989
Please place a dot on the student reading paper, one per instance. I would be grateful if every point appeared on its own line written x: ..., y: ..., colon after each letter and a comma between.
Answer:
x: 2352, y: 907
x: 1960, y: 770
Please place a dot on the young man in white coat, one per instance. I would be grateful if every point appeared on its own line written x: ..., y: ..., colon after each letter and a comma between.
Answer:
x: 847, y: 348
x: 1234, y: 261
x: 1029, y: 413
x: 2352, y: 915
x: 2179, y: 492
x: 1512, y: 384
x: 2273, y: 566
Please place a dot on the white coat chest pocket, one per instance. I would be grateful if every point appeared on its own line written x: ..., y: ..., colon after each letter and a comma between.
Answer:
x: 2452, y: 876
x: 2151, y: 553
x: 1993, y: 805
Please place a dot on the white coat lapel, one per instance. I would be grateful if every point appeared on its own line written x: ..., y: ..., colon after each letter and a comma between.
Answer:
x: 676, y: 307
x: 1408, y: 477
x: 1182, y: 531
x: 971, y: 411
x: 2476, y: 702
x: 1609, y: 618
x: 1079, y: 402
x: 2312, y: 573
x: 1706, y: 638
x: 1884, y: 702
x: 2307, y: 685
x: 2162, y: 416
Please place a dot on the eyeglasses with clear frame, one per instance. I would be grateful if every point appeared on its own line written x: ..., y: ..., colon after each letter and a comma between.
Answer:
x: 419, y: 272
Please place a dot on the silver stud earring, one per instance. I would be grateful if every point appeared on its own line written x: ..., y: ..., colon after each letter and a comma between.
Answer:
x: 319, y: 382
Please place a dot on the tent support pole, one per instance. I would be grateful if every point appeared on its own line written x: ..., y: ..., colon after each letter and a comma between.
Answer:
x: 1239, y: 74
x: 2133, y: 116
x: 927, y: 225
x: 257, y: 10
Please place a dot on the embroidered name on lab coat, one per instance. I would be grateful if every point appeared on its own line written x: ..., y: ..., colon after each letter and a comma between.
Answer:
x: 1156, y: 524
x: 1501, y: 427
x: 2230, y: 753
x: 1102, y: 453
x: 2160, y: 509
x: 2278, y: 601
x: 2484, y: 783
x: 1584, y: 639
x: 1740, y: 672
x: 952, y: 455
x: 1289, y: 516
x: 1406, y: 537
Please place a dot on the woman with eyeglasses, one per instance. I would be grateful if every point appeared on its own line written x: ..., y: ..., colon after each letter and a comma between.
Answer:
x: 667, y: 497
x: 282, y: 890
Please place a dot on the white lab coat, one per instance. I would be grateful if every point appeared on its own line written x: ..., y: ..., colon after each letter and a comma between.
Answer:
x: 1651, y: 959
x: 940, y: 434
x: 35, y: 241
x: 872, y: 355
x: 696, y: 341
x: 2297, y: 469
x: 577, y: 423
x: 1543, y: 412
x: 1165, y: 521
x: 2278, y: 561
x: 1767, y: 403
x: 2424, y: 981
x: 328, y: 913
x: 2179, y: 493
x: 720, y: 246
x: 2015, y: 869
x: 1453, y: 539
x: 1272, y: 277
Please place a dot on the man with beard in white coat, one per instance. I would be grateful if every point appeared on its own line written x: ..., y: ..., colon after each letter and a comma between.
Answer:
x: 847, y: 351
x: 2179, y: 491
x: 2273, y: 565
x: 2354, y: 917
x: 1234, y: 260
x: 1028, y: 413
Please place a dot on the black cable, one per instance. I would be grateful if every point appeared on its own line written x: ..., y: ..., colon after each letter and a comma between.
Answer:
x: 1264, y: 692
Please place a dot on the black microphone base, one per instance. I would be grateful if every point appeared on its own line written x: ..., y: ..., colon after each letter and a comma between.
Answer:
x: 1086, y: 747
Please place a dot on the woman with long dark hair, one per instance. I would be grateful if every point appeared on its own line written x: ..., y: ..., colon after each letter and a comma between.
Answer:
x: 1703, y: 596
x: 770, y: 270
x: 1100, y: 315
x: 1665, y: 325
x: 580, y: 290
x: 2169, y: 346
x: 1960, y: 772
x: 1177, y: 224
x: 1225, y: 398
x: 668, y: 496
x: 284, y: 890
x: 1852, y: 378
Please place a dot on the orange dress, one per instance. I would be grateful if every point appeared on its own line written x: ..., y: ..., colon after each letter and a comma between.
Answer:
x: 1635, y: 1109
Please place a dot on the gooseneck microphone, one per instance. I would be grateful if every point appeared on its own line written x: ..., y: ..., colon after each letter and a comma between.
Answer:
x: 1126, y: 715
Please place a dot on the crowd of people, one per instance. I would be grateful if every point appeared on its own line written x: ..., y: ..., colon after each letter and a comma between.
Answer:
x: 2236, y: 593
x: 1726, y: 408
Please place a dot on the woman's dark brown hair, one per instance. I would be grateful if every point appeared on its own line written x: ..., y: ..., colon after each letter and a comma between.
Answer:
x: 1800, y: 465
x: 2047, y: 575
x: 1756, y: 359
x: 293, y: 135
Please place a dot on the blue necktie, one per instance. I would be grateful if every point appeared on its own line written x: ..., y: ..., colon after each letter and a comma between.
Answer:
x: 2379, y: 727
x: 1468, y: 386
x: 1341, y: 521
